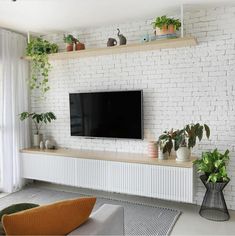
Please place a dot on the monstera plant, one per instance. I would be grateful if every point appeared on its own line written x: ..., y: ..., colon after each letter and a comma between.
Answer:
x: 38, y: 50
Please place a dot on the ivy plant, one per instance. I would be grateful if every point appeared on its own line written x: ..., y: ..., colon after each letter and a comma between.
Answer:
x: 38, y: 50
x: 213, y: 165
x: 187, y: 137
x: 38, y: 119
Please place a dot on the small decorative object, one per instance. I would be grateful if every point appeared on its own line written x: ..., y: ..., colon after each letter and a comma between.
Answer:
x: 80, y: 46
x: 152, y: 149
x: 122, y: 38
x: 69, y: 40
x: 153, y: 37
x: 164, y: 25
x: 165, y: 144
x: 48, y: 144
x: 39, y: 120
x: 215, y: 178
x: 41, y: 145
x: 111, y: 42
x: 186, y: 138
x: 38, y: 50
x: 145, y: 38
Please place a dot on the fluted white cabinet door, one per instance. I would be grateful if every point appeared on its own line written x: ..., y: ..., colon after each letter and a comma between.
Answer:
x: 55, y: 169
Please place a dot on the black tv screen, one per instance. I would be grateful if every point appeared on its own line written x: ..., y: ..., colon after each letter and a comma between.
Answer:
x: 106, y: 114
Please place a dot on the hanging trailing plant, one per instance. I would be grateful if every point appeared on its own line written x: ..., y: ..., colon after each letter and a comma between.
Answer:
x: 38, y: 50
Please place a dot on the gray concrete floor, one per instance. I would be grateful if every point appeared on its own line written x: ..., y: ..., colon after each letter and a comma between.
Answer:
x: 189, y: 223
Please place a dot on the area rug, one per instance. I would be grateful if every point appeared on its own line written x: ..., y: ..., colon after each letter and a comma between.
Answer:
x: 140, y: 219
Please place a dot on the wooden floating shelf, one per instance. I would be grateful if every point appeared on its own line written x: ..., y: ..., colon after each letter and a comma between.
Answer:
x: 111, y: 156
x: 154, y: 45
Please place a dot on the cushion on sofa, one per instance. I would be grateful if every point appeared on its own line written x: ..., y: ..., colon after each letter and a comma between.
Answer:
x: 55, y: 219
x: 13, y: 209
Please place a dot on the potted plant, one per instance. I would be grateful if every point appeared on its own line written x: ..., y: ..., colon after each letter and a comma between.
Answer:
x: 164, y: 25
x: 38, y: 49
x: 215, y: 177
x: 39, y: 120
x: 79, y: 45
x: 165, y: 144
x: 69, y: 40
x: 186, y: 139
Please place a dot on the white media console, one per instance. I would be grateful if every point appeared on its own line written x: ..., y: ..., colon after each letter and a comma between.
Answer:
x: 127, y: 173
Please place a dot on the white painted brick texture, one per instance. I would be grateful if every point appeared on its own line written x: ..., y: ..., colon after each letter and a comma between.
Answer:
x: 184, y: 85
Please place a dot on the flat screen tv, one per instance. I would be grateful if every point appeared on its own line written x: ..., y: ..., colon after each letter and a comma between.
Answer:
x: 107, y: 114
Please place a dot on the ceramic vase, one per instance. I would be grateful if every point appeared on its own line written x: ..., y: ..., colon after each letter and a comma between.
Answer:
x: 37, y: 138
x: 152, y: 149
x: 161, y: 155
x: 183, y: 154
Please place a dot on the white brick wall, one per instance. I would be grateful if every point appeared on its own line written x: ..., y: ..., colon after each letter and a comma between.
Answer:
x: 184, y: 85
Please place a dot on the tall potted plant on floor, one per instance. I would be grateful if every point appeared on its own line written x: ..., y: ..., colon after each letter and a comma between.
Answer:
x: 213, y: 167
x: 186, y: 139
x: 39, y: 120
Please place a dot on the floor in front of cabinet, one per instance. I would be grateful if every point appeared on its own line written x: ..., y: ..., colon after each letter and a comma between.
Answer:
x: 189, y: 223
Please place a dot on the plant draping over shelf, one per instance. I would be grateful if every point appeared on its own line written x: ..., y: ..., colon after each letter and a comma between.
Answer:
x: 38, y: 49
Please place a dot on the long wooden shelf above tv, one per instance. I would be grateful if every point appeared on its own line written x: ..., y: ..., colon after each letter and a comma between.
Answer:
x: 153, y: 45
x: 137, y: 158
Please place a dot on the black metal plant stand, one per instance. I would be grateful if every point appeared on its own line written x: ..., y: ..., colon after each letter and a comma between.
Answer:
x: 214, y: 206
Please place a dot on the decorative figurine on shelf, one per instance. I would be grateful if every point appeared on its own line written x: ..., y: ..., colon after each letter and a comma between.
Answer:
x: 145, y: 38
x: 122, y: 38
x: 41, y: 145
x: 111, y: 42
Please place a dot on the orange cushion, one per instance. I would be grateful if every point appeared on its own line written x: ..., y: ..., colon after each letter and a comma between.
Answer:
x: 55, y: 219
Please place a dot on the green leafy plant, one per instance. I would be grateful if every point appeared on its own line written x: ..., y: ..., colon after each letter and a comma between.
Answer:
x: 38, y: 119
x: 38, y: 50
x: 187, y: 137
x: 69, y: 39
x: 165, y: 141
x: 162, y: 21
x: 213, y: 165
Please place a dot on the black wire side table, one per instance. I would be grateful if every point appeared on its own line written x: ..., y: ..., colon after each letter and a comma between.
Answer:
x: 214, y: 206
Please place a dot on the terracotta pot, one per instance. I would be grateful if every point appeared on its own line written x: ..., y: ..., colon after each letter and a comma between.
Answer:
x: 171, y: 29
x: 162, y: 31
x: 80, y: 46
x: 69, y: 47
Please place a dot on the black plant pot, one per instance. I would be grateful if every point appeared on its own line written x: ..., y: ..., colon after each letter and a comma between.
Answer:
x: 214, y: 206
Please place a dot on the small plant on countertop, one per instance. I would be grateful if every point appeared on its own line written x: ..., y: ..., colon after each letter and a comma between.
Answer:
x: 165, y: 141
x: 213, y: 165
x: 38, y: 49
x: 38, y: 119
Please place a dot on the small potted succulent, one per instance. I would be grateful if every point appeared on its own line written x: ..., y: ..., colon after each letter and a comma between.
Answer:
x: 186, y: 138
x: 164, y: 25
x: 69, y: 40
x: 165, y: 144
x: 215, y: 177
x: 39, y: 120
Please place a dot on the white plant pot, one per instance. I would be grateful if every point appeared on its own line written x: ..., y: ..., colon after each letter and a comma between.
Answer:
x: 183, y: 154
x: 37, y: 138
x: 161, y: 155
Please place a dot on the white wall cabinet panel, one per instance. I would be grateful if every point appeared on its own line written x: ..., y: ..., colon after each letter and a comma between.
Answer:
x: 165, y: 182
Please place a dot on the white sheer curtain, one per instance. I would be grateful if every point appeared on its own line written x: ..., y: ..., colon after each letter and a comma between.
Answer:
x: 14, y: 134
